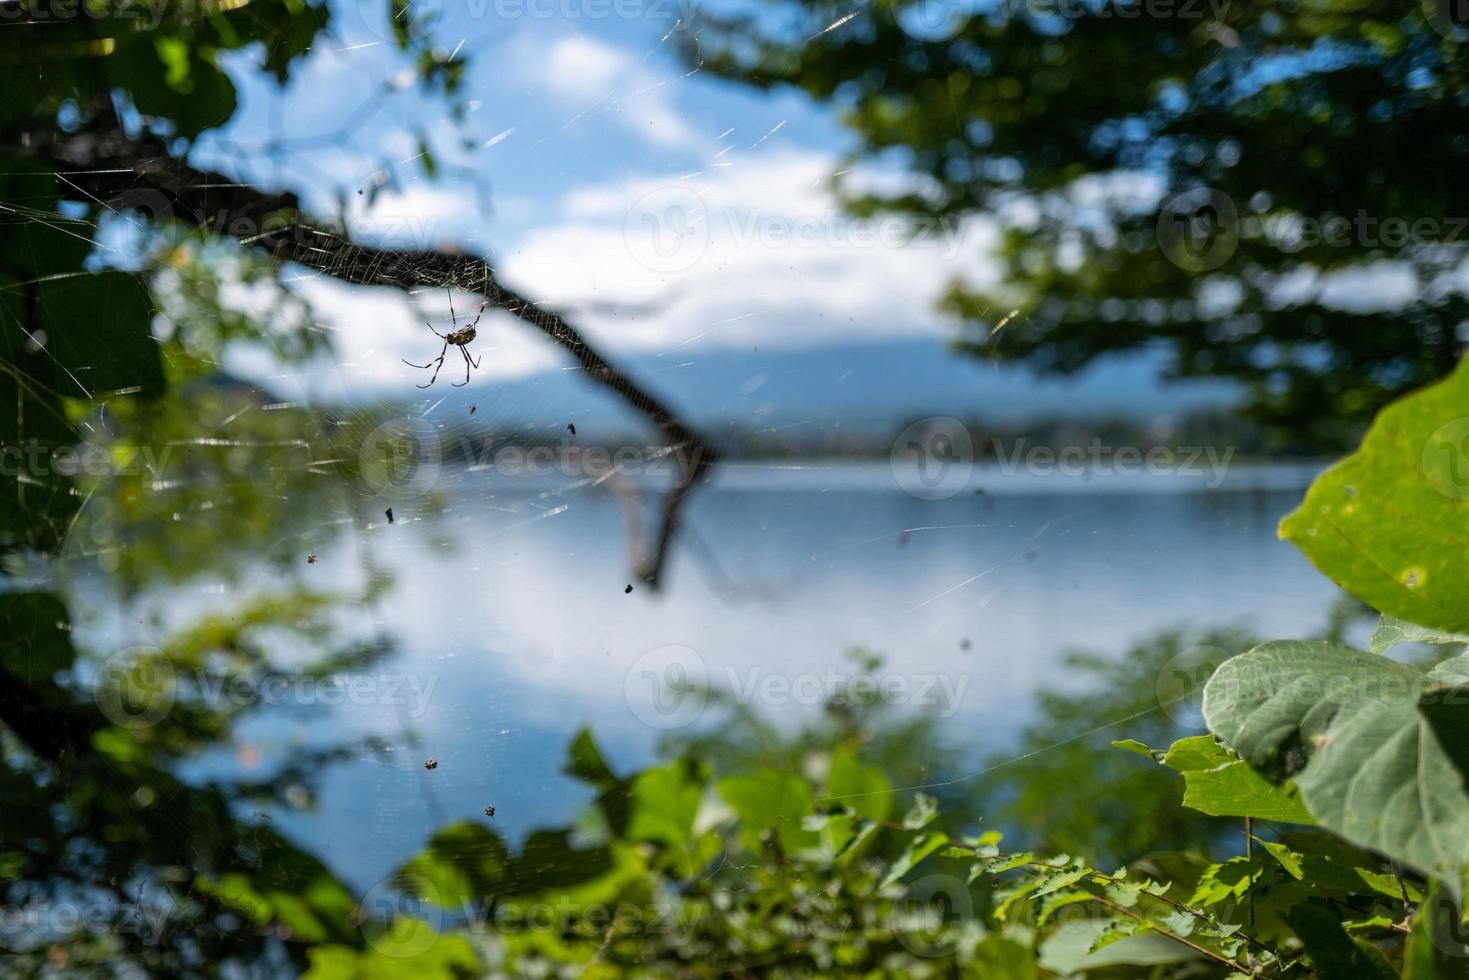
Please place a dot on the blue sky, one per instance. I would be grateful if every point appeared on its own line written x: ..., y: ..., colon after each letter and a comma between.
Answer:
x: 683, y: 221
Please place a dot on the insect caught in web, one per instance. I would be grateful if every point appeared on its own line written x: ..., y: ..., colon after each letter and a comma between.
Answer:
x: 461, y: 338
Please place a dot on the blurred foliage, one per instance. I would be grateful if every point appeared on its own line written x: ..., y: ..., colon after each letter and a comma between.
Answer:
x: 775, y: 873
x: 760, y: 853
x: 1069, y: 124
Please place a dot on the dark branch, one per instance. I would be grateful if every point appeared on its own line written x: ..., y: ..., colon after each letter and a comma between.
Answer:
x: 123, y: 174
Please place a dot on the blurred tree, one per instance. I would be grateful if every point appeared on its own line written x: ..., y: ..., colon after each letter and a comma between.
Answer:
x: 1268, y: 192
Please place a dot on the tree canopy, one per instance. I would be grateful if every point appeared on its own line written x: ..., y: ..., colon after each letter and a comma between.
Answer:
x: 1269, y: 192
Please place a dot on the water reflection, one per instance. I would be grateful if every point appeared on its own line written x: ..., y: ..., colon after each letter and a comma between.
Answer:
x: 500, y: 611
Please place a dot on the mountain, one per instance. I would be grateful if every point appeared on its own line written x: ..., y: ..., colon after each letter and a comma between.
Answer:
x: 862, y: 386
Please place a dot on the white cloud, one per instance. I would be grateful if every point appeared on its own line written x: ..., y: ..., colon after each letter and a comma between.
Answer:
x: 591, y: 78
x: 756, y: 251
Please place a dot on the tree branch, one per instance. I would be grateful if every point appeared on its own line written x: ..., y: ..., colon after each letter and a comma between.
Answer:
x: 125, y: 174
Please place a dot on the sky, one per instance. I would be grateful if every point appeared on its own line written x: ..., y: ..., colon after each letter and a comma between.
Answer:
x: 688, y: 225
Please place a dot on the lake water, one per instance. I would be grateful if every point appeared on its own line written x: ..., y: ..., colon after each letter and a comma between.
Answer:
x: 514, y: 629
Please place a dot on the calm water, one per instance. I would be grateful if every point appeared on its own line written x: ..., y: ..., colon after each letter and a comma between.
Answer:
x: 514, y: 629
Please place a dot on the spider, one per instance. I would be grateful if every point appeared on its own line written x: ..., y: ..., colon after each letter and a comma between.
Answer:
x: 461, y: 338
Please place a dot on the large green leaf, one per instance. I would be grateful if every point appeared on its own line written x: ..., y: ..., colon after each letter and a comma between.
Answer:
x: 1390, y: 523
x: 1223, y: 785
x: 1373, y: 770
x: 771, y: 799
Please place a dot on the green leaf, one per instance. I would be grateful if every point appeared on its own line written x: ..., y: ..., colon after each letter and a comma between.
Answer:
x: 1236, y: 790
x: 1322, y: 872
x: 924, y: 809
x: 1334, y: 954
x: 863, y: 789
x: 1229, y: 880
x: 1289, y: 860
x: 918, y: 849
x: 1064, y: 878
x: 466, y: 862
x: 1373, y: 771
x: 1133, y: 745
x: 1196, y: 752
x: 665, y: 802
x: 1392, y: 631
x: 1056, y: 901
x: 585, y: 762
x: 858, y: 845
x: 771, y: 799
x: 1388, y: 523
x: 1218, y: 783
